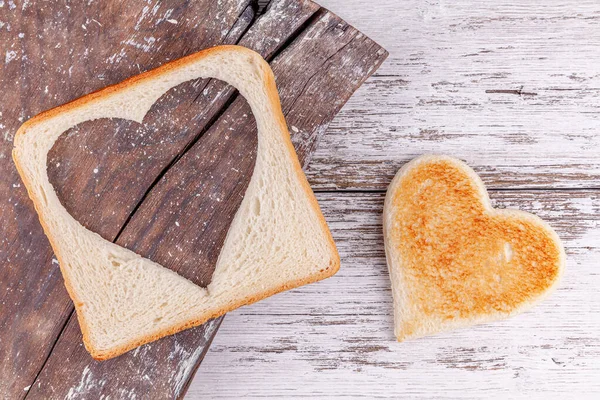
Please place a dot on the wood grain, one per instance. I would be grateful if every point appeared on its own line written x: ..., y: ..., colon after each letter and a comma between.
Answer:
x: 111, y: 173
x: 339, y: 332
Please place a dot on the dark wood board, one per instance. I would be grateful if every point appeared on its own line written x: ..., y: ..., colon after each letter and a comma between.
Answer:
x: 148, y: 176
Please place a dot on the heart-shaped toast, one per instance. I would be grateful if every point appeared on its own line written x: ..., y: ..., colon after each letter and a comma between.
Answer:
x: 455, y: 261
x: 277, y: 240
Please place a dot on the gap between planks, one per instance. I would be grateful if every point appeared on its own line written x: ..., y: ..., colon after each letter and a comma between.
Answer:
x: 516, y: 189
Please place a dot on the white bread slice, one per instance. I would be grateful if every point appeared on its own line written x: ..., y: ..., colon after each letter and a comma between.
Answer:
x: 278, y: 238
x: 455, y: 261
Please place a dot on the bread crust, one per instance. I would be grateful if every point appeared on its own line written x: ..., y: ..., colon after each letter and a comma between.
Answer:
x: 101, y: 94
x: 434, y: 319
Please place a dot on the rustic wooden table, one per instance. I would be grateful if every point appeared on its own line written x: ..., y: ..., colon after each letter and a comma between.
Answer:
x: 513, y: 88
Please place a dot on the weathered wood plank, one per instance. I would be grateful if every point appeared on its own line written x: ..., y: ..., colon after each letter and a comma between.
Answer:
x: 108, y: 182
x: 316, y: 74
x: 339, y: 332
x: 510, y: 86
x: 53, y: 53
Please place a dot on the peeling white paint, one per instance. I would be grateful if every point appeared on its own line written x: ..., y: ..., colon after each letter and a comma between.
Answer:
x: 10, y: 55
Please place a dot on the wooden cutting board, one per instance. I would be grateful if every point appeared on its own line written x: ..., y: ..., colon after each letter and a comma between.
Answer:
x: 166, y: 189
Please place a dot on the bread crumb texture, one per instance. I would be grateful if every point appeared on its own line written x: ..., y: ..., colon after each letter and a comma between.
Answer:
x: 460, y: 258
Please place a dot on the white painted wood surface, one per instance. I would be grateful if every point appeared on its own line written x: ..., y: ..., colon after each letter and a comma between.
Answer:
x: 513, y: 88
x: 433, y: 93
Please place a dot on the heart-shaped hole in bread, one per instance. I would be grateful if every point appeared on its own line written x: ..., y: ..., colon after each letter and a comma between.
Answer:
x: 454, y: 260
x: 278, y: 238
x: 101, y: 169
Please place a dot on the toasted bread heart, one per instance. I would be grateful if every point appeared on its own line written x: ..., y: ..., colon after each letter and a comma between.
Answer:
x: 455, y: 261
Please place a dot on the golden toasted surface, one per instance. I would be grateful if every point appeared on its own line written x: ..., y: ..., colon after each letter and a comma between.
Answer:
x: 460, y: 258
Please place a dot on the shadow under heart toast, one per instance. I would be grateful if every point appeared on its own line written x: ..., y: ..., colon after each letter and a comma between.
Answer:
x: 102, y: 169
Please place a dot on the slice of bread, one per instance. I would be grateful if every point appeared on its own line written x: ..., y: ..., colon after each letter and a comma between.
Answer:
x: 278, y: 238
x: 455, y: 261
